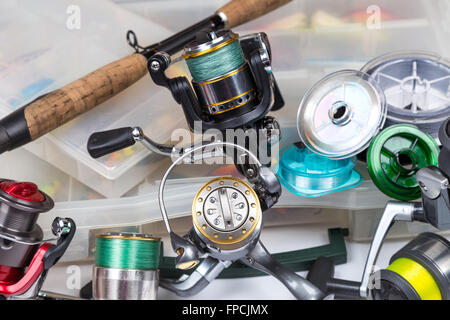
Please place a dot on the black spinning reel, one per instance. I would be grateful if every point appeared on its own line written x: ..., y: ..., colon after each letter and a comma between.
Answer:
x: 233, y: 87
x: 229, y: 97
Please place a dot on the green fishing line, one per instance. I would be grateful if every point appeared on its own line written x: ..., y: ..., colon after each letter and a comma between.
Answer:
x: 216, y: 63
x: 128, y: 251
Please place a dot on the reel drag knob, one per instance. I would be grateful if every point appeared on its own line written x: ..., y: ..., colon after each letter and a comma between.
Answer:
x: 227, y: 213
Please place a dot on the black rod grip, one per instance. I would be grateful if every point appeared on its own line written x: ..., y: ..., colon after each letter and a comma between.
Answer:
x: 105, y: 142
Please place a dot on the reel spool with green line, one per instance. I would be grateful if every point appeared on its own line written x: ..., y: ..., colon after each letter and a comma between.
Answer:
x: 216, y: 63
x: 394, y: 157
x: 126, y: 266
x: 419, y: 271
x: 232, y: 81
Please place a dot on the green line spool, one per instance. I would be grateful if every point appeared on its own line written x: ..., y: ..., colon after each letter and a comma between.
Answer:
x: 215, y: 59
x: 394, y: 157
x: 127, y: 251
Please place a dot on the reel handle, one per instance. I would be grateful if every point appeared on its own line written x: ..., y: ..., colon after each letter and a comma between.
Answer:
x: 106, y: 142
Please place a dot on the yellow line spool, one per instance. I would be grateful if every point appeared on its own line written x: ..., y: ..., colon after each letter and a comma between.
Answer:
x: 418, y: 271
x: 419, y: 278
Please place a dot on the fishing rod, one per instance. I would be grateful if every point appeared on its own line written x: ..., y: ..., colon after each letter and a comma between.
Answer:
x: 58, y: 107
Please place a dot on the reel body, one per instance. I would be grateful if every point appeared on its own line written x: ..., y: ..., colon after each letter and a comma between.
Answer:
x: 25, y: 257
x: 227, y: 221
x: 232, y: 80
x: 233, y: 87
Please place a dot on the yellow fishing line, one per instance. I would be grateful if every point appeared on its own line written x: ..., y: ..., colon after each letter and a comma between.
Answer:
x: 419, y: 278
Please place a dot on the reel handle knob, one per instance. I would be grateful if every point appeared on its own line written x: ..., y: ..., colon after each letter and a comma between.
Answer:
x: 105, y: 142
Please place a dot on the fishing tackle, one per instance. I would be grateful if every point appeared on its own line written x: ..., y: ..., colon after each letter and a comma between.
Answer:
x: 25, y: 257
x: 429, y: 253
x: 394, y: 157
x: 338, y: 117
x: 233, y: 84
x: 308, y: 174
x: 233, y: 87
x: 55, y: 108
x: 418, y: 271
x: 416, y: 86
x: 126, y: 267
x: 227, y: 221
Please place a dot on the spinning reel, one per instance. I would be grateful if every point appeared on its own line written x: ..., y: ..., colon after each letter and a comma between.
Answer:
x: 232, y: 80
x: 428, y: 255
x: 233, y: 87
x: 25, y: 257
x: 227, y: 222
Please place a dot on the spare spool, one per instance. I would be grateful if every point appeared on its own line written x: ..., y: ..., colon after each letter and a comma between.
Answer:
x: 394, y: 157
x: 126, y: 266
x: 419, y: 271
x: 416, y: 86
x: 340, y: 114
x: 310, y: 175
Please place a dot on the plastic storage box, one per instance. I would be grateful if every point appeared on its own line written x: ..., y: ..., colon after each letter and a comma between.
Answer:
x: 305, y: 46
x: 46, y: 50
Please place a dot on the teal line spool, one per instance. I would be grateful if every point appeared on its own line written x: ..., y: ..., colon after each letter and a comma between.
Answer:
x: 216, y: 63
x: 307, y: 174
x: 127, y: 251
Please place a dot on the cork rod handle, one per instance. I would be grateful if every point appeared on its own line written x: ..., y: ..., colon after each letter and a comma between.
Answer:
x: 62, y: 105
x: 241, y: 11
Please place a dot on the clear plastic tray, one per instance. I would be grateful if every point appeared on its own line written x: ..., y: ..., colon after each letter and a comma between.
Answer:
x: 311, y: 39
x: 43, y: 54
x: 303, y: 53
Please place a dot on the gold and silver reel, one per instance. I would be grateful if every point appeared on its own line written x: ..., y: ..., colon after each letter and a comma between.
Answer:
x: 227, y: 222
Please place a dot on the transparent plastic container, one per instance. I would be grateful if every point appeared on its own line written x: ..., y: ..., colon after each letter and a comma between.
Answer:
x: 305, y: 47
x: 43, y: 54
